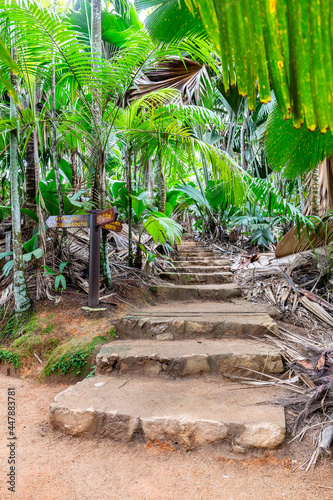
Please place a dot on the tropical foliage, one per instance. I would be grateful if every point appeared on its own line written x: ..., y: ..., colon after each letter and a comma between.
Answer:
x: 179, y: 121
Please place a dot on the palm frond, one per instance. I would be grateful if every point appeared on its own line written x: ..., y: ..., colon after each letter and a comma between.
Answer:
x: 297, y: 151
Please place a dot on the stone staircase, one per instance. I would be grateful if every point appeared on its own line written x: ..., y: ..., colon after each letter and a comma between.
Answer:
x: 170, y: 375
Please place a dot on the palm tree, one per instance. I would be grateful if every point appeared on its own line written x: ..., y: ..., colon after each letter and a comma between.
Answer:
x: 21, y: 294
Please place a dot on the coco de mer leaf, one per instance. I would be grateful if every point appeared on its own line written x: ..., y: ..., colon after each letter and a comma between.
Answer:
x: 282, y: 42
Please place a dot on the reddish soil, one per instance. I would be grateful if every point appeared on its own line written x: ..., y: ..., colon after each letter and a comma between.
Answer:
x: 51, y: 466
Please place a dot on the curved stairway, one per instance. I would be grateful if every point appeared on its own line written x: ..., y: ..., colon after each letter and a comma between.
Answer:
x: 172, y: 373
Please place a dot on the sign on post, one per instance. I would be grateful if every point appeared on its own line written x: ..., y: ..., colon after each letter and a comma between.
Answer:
x: 55, y: 221
x: 108, y: 215
x: 113, y: 226
x: 95, y: 220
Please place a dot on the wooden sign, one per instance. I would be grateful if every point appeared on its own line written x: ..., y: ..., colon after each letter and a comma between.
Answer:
x: 113, y: 226
x: 55, y: 221
x: 95, y: 219
x: 108, y: 215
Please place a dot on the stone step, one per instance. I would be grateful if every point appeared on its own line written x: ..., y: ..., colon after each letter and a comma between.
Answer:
x: 192, y: 320
x: 188, y: 358
x: 188, y: 268
x: 201, y: 262
x: 199, y: 253
x: 184, y: 413
x: 200, y: 258
x: 190, y: 244
x: 192, y: 278
x: 194, y: 248
x: 196, y: 292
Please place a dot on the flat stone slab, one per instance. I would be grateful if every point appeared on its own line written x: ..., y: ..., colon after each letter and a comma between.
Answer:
x: 209, y: 262
x: 188, y: 268
x: 199, y: 253
x: 184, y: 278
x: 197, y: 292
x: 194, y: 320
x: 196, y: 258
x: 188, y: 358
x: 187, y: 413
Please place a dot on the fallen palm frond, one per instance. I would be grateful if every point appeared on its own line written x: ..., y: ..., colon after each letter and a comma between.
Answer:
x: 310, y: 357
x: 299, y: 240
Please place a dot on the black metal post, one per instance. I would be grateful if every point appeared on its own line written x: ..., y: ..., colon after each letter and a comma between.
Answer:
x: 94, y: 261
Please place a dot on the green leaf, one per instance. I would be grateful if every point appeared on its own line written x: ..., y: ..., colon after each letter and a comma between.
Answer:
x: 116, y: 187
x: 295, y: 151
x: 161, y: 228
x: 7, y: 267
x: 38, y: 253
x: 6, y: 254
x: 193, y: 193
x: 138, y: 205
x: 27, y: 257
x: 60, y: 280
x: 62, y: 266
x: 31, y: 244
x: 151, y: 257
x: 30, y: 213
x: 50, y: 271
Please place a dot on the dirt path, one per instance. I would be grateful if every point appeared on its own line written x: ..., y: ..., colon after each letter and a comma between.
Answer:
x: 51, y: 466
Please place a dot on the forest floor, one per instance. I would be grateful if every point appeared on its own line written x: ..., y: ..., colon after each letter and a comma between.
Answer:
x: 52, y: 466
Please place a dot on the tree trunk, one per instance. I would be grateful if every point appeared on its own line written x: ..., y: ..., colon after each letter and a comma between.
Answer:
x: 99, y: 184
x: 65, y: 251
x: 315, y: 191
x: 161, y: 185
x: 104, y: 255
x: 134, y: 169
x: 30, y: 179
x: 129, y: 187
x: 150, y: 186
x: 21, y: 293
x: 74, y: 169
x: 243, y: 146
x: 41, y: 281
x: 300, y: 191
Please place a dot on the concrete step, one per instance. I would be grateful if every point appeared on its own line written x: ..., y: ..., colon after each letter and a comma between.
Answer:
x: 188, y: 358
x: 188, y: 268
x: 192, y: 278
x: 192, y: 320
x: 184, y: 413
x: 201, y: 262
x: 196, y: 292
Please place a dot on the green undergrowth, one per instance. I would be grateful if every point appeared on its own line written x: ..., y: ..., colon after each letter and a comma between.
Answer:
x: 73, y: 357
x: 26, y: 338
x: 10, y: 357
x: 37, y: 337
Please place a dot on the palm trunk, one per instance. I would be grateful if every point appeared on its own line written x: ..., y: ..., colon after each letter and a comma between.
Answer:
x: 150, y: 186
x: 30, y: 180
x: 21, y: 293
x: 243, y: 146
x: 300, y: 192
x: 74, y: 169
x: 315, y: 191
x: 41, y: 281
x: 161, y: 185
x: 105, y: 265
x: 134, y: 169
x: 129, y: 187
x: 65, y: 251
x: 99, y: 183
